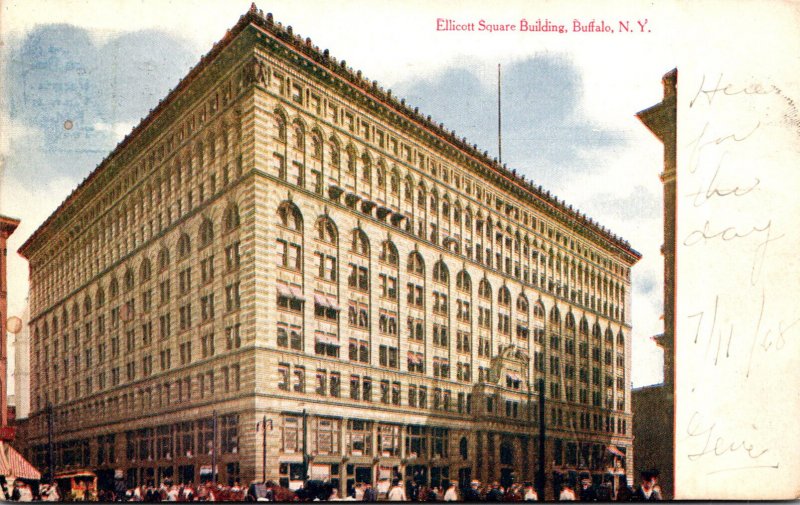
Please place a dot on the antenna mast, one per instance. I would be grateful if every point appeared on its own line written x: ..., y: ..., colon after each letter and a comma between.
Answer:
x: 499, y: 120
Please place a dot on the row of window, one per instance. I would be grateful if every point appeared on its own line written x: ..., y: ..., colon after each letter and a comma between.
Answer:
x: 292, y: 378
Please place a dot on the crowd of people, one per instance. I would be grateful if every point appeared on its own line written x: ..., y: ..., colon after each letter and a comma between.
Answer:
x: 585, y: 490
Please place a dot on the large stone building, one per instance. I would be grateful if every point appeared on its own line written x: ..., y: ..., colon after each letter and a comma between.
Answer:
x: 285, y: 248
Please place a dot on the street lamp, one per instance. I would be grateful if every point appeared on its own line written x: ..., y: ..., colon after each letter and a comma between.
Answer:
x: 262, y: 425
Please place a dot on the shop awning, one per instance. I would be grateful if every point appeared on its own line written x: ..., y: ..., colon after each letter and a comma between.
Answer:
x: 12, y: 464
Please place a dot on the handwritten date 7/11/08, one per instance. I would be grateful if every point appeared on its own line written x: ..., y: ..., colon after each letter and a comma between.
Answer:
x: 766, y: 335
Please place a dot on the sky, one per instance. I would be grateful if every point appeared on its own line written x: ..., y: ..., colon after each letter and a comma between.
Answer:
x: 79, y: 75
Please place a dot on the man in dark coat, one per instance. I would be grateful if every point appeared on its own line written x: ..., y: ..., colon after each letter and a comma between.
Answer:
x: 648, y: 490
x: 370, y: 494
x: 587, y: 491
x: 494, y: 493
x: 471, y: 494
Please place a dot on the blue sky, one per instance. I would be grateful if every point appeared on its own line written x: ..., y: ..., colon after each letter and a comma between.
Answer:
x: 560, y: 129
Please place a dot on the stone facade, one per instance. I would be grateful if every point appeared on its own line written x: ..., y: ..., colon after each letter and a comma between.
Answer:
x: 384, y: 296
x: 654, y: 406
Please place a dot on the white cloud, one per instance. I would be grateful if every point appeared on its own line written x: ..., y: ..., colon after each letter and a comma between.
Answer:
x: 119, y: 129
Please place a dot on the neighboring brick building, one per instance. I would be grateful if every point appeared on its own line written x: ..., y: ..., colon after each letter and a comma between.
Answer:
x: 281, y: 237
x: 654, y: 406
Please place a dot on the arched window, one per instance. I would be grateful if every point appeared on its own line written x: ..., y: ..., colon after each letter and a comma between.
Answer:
x: 485, y: 289
x: 299, y: 136
x: 87, y: 305
x: 351, y: 160
x: 75, y: 312
x: 463, y: 280
x: 522, y: 304
x: 538, y: 311
x: 440, y: 272
x: 360, y: 242
x: 389, y: 253
x: 504, y: 296
x: 113, y: 288
x: 366, y: 173
x: 100, y: 300
x: 206, y: 232
x: 145, y: 271
x: 609, y: 336
x: 231, y: 217
x: 290, y: 216
x: 163, y: 258
x: 421, y: 195
x: 583, y: 327
x: 555, y: 316
x: 280, y: 126
x: 394, y: 182
x: 446, y: 207
x: 416, y: 264
x: 434, y: 202
x: 129, y: 281
x: 620, y: 338
x: 336, y: 153
x: 408, y: 189
x: 316, y: 145
x: 596, y: 331
x: 184, y: 245
x: 326, y: 230
x: 569, y: 322
x: 506, y: 454
x: 380, y: 175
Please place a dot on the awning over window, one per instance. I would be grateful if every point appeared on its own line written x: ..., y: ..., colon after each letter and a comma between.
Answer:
x: 616, y: 452
x: 12, y: 464
x: 514, y: 376
x: 291, y: 291
x: 326, y: 301
x: 414, y: 358
x: 323, y: 338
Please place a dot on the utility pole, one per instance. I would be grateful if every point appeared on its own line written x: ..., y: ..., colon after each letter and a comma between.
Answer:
x: 263, y: 425
x: 214, y: 447
x: 499, y: 120
x: 541, y: 478
x: 51, y: 457
x: 305, y: 449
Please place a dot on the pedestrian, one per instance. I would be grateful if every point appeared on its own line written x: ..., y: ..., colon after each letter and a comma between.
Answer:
x: 587, y: 491
x: 370, y: 494
x: 530, y: 493
x: 494, y: 494
x: 471, y: 494
x: 396, y: 493
x: 624, y: 493
x: 451, y: 494
x: 412, y: 490
x: 358, y: 492
x: 567, y: 494
x: 648, y: 490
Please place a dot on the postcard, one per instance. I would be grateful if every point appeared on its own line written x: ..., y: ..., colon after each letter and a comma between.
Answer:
x: 380, y: 250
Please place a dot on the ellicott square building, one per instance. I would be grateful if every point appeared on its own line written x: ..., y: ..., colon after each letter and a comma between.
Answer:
x: 285, y: 255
